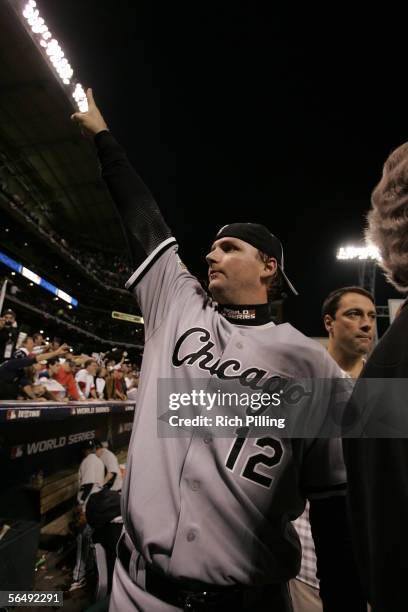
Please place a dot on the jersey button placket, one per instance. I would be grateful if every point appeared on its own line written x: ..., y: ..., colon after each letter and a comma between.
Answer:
x: 195, y: 485
x: 191, y: 536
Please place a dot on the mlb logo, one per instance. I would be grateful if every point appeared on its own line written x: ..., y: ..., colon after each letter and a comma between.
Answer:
x: 73, y: 411
x: 16, y: 452
x: 11, y: 414
x: 120, y: 430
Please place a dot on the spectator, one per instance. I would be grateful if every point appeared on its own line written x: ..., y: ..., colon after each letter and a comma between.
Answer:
x: 39, y: 343
x: 56, y: 343
x: 65, y: 376
x: 26, y: 348
x: 40, y: 370
x: 12, y: 371
x: 115, y: 386
x: 132, y: 391
x: 8, y: 334
x: 127, y: 369
x: 41, y: 390
x: 34, y: 391
x: 55, y: 388
x: 110, y: 364
x: 86, y: 379
x: 100, y: 382
x: 26, y: 384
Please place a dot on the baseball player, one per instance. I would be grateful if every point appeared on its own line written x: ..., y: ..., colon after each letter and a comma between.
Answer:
x: 90, y: 480
x: 113, y: 478
x: 208, y: 519
x: 349, y: 318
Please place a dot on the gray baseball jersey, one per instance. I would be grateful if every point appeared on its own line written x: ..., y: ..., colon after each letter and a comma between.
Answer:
x: 193, y: 506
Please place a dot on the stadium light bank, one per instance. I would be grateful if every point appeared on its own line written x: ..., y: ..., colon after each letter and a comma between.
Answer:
x: 52, y: 51
x: 367, y: 258
x: 358, y: 253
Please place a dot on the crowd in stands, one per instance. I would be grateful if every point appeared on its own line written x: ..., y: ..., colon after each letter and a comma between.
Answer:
x: 32, y: 369
x: 102, y: 264
x: 96, y: 263
x: 101, y: 328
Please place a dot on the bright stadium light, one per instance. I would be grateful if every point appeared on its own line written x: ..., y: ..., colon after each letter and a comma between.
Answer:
x: 54, y: 52
x: 366, y: 257
x: 359, y: 253
x: 80, y: 98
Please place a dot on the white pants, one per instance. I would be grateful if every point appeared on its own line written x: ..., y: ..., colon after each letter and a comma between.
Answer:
x: 84, y: 556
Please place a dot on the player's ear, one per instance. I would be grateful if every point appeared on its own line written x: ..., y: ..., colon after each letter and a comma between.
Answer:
x: 270, y: 265
x: 328, y: 323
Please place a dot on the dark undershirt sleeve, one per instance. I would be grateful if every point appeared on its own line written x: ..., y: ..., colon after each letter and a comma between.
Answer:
x: 110, y: 482
x: 84, y: 492
x: 142, y: 223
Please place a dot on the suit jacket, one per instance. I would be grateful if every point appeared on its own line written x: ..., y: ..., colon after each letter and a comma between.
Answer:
x: 377, y: 471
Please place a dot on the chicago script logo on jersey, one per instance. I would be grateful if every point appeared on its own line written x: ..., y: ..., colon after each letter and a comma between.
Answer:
x: 230, y: 369
x: 204, y: 358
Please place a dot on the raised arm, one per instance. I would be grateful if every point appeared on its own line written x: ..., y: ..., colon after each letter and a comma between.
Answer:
x: 142, y: 223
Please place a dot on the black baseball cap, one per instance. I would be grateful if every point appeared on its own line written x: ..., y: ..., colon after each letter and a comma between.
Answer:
x: 261, y: 238
x: 88, y: 445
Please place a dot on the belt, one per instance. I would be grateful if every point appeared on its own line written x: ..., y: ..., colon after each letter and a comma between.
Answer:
x: 195, y: 596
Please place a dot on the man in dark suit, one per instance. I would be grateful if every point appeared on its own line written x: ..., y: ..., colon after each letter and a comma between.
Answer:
x: 378, y: 466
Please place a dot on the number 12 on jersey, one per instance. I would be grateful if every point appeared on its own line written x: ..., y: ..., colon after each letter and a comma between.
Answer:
x: 262, y: 459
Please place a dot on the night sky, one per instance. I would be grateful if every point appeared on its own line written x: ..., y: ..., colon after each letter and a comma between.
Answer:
x: 236, y: 112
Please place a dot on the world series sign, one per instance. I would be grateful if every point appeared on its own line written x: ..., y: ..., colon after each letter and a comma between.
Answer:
x: 54, y: 442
